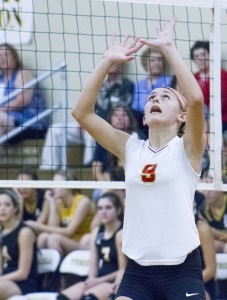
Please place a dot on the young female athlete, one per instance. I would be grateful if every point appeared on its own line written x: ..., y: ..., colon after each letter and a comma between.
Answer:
x: 105, y: 254
x: 18, y: 265
x: 160, y: 237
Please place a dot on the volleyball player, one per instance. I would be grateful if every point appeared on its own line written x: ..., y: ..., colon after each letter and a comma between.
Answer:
x: 160, y: 237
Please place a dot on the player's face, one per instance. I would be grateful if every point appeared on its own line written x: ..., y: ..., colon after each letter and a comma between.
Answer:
x: 120, y: 119
x: 7, y: 208
x: 106, y: 210
x: 201, y: 59
x: 26, y: 193
x: 162, y: 107
x: 155, y: 64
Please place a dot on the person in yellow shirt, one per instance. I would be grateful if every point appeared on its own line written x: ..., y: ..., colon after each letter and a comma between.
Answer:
x: 70, y: 216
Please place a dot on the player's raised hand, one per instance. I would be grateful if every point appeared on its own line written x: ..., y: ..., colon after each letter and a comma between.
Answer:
x: 122, y: 52
x: 164, y: 37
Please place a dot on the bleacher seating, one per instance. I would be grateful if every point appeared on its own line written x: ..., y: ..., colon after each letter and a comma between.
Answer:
x: 28, y: 152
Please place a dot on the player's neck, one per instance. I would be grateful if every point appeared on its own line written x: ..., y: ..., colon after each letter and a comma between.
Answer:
x: 158, y: 139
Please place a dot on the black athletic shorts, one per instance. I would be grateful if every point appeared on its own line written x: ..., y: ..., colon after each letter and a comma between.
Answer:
x: 167, y: 282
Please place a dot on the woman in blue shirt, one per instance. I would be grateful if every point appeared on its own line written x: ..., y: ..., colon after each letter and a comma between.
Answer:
x: 16, y: 111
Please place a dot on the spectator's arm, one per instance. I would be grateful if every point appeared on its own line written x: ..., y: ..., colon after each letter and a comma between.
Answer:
x: 208, y: 250
x: 97, y: 172
x: 23, y: 98
x: 94, y: 262
x: 45, y: 212
x: 81, y: 212
x: 121, y: 262
x: 95, y: 221
x: 219, y: 234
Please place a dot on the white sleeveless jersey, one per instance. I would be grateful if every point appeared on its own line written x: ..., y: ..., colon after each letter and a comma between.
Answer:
x: 159, y: 226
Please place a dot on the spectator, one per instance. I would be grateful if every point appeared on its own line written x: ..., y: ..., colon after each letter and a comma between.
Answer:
x: 104, y: 253
x: 105, y: 166
x: 200, y: 54
x: 215, y: 213
x: 18, y: 250
x: 207, y: 251
x: 59, y: 135
x: 26, y: 105
x: 70, y: 215
x: 154, y: 64
x: 116, y: 89
x: 34, y: 205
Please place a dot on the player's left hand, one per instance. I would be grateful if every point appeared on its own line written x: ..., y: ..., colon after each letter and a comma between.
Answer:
x: 164, y: 37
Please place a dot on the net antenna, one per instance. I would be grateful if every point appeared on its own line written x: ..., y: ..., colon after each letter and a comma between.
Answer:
x: 85, y: 30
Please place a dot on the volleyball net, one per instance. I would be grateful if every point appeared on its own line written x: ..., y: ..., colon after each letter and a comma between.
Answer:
x: 78, y: 33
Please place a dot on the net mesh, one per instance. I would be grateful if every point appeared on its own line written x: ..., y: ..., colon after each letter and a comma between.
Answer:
x: 73, y: 35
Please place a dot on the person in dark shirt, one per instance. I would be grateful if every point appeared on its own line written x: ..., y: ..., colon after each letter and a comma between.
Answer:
x: 34, y: 205
x: 18, y: 249
x: 104, y: 253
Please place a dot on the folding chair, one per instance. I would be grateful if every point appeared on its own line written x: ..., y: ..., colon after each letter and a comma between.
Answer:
x: 17, y: 298
x: 48, y: 269
x: 221, y: 275
x: 41, y: 296
x: 74, y: 267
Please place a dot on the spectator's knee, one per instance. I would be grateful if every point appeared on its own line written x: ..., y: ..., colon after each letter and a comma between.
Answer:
x: 42, y: 240
x: 54, y: 238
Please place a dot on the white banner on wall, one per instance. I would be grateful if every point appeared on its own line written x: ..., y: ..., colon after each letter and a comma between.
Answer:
x: 16, y: 21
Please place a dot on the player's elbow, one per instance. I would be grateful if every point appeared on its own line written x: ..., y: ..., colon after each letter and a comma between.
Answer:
x: 76, y: 115
x: 197, y: 98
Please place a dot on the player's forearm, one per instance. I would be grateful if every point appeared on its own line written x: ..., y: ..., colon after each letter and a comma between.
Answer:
x: 86, y: 102
x: 185, y: 79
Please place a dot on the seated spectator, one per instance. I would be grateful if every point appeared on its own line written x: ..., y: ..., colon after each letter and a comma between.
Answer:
x: 34, y: 205
x: 207, y: 251
x: 153, y: 63
x: 104, y: 263
x: 200, y: 54
x: 26, y: 105
x: 215, y: 213
x: 115, y: 90
x: 70, y: 215
x: 18, y: 265
x: 105, y: 166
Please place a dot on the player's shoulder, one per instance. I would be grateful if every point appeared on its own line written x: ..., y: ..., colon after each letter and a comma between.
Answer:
x: 134, y: 140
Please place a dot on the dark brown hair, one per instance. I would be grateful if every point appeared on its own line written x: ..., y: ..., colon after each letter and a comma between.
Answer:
x: 133, y: 125
x: 14, y: 53
x: 145, y: 57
